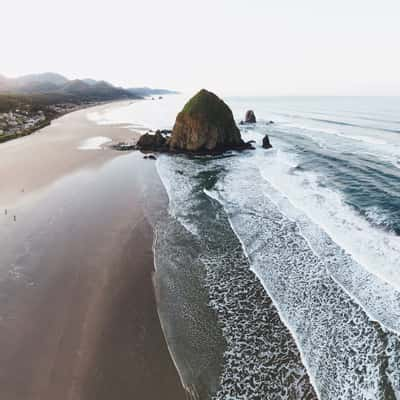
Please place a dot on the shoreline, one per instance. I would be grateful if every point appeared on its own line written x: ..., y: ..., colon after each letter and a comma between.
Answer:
x: 80, y: 319
x: 58, y: 145
x: 6, y: 138
x: 188, y: 390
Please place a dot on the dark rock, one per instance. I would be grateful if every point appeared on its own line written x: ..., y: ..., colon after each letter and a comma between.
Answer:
x: 250, y: 143
x: 123, y: 146
x: 152, y: 157
x: 151, y: 142
x: 205, y: 125
x: 250, y: 117
x: 266, y: 143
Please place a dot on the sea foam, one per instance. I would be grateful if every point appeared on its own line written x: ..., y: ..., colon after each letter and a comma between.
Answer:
x: 330, y: 327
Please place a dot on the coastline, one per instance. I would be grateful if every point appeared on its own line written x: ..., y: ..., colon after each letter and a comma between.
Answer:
x: 53, y: 152
x: 79, y: 318
x: 48, y: 121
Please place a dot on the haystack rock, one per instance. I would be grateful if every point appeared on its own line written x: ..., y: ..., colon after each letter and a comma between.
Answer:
x: 206, y: 125
x: 250, y: 117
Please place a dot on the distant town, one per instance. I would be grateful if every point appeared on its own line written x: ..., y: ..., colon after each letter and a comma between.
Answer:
x: 26, y: 119
x: 30, y: 102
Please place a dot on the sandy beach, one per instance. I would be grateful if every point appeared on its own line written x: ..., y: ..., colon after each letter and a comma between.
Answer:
x: 78, y: 314
x: 39, y: 159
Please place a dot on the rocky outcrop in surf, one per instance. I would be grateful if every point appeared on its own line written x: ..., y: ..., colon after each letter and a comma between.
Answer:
x: 152, y: 142
x: 266, y: 144
x: 250, y: 117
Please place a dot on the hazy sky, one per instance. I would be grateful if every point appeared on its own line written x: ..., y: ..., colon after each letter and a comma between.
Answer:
x: 266, y: 47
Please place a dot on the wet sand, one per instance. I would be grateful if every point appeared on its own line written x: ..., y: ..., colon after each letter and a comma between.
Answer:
x: 78, y: 318
x: 35, y: 161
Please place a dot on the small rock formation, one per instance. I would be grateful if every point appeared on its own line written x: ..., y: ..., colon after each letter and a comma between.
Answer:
x: 151, y: 142
x: 123, y: 146
x: 266, y: 143
x: 250, y: 117
x: 206, y: 125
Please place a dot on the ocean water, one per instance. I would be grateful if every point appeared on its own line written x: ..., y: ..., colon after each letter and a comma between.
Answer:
x: 295, y: 251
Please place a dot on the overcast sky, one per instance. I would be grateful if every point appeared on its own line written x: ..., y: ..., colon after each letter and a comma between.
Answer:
x: 261, y: 47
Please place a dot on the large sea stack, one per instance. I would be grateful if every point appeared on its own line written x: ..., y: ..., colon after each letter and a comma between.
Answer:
x: 206, y: 125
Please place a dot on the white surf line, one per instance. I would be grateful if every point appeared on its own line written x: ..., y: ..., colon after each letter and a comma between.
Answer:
x: 276, y: 203
x: 283, y: 319
x: 354, y: 298
x: 362, y: 255
x: 351, y: 296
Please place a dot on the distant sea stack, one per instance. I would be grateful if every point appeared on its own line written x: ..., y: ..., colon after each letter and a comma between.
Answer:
x: 206, y: 125
x: 250, y: 117
x: 266, y: 144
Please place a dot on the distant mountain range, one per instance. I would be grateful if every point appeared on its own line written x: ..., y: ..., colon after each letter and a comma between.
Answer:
x: 58, y: 88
